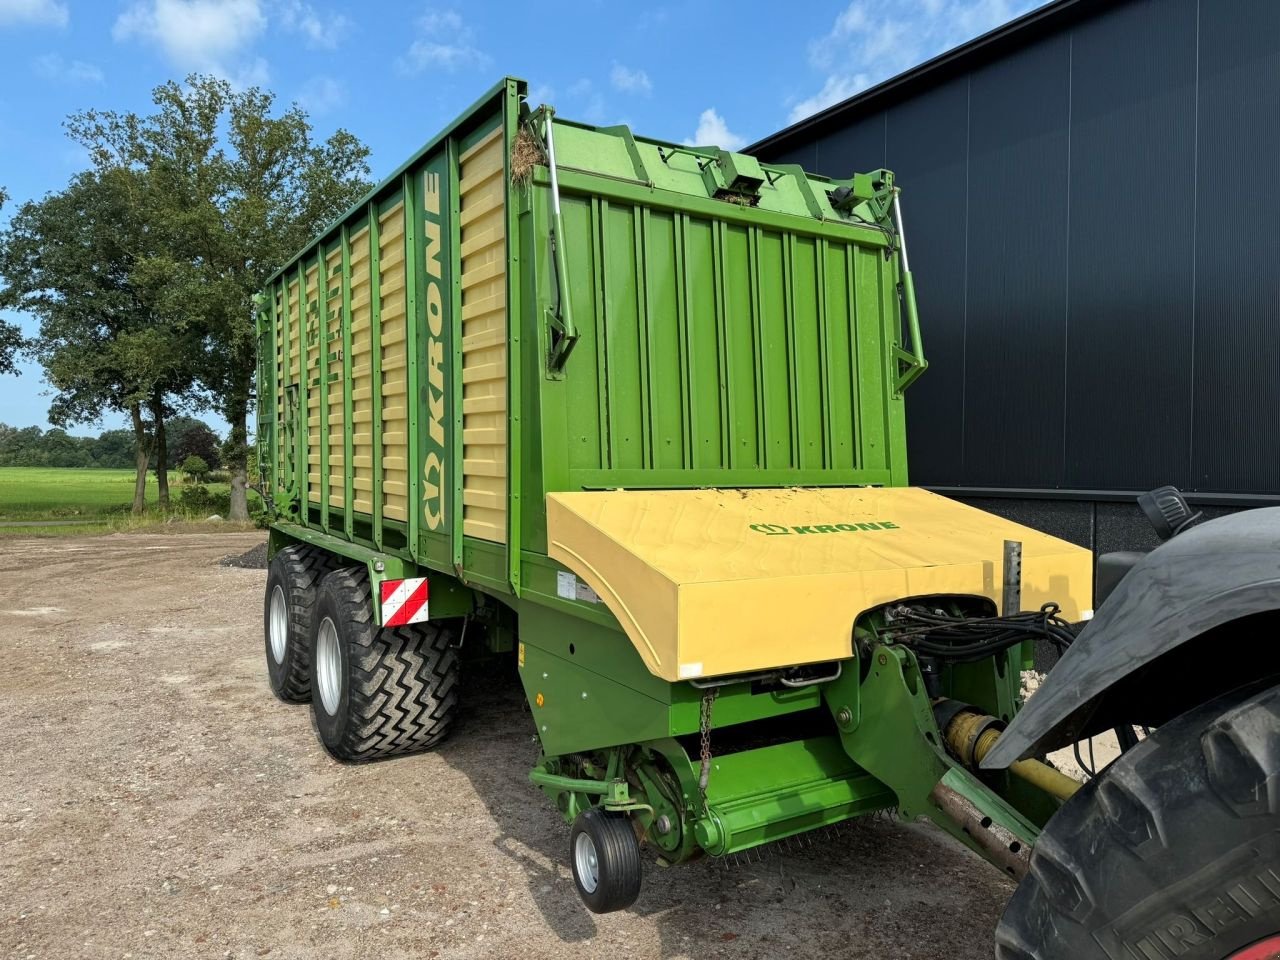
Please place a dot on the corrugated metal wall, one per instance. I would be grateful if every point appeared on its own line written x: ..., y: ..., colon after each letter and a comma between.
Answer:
x: 1095, y: 232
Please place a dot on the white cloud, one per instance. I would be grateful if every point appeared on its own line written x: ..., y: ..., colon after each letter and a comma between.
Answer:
x: 871, y: 42
x: 205, y: 35
x: 446, y: 43
x: 322, y: 95
x: 541, y: 93
x: 323, y: 31
x: 714, y: 132
x: 838, y: 87
x: 254, y: 73
x: 630, y: 81
x: 44, y: 12
x: 52, y: 67
x: 587, y: 102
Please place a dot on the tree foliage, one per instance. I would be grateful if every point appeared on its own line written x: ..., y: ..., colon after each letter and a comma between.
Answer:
x: 10, y: 336
x: 33, y: 447
x: 76, y: 261
x: 189, y: 437
x: 10, y: 343
x: 232, y: 192
x: 195, y: 467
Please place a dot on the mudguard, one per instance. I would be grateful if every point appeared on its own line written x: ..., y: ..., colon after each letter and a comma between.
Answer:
x: 1125, y: 664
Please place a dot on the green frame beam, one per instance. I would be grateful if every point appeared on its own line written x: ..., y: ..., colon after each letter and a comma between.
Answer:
x: 348, y: 404
x: 325, y: 362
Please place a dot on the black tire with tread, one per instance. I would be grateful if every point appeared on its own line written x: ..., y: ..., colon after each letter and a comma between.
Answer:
x: 618, y: 854
x: 1172, y: 851
x: 399, y: 685
x: 297, y: 569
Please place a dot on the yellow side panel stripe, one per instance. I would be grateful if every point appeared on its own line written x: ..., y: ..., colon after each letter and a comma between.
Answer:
x: 483, y: 281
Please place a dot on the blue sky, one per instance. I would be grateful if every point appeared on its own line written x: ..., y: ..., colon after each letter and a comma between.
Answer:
x: 394, y: 72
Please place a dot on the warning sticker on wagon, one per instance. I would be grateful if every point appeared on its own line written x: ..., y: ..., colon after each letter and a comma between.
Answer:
x: 569, y: 587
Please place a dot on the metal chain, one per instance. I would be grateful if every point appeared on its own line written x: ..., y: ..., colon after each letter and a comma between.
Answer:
x: 704, y: 728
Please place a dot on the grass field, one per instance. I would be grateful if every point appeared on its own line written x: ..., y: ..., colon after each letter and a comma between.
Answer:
x: 65, y: 500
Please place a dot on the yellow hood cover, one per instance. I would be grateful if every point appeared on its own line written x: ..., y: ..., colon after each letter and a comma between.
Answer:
x: 714, y: 582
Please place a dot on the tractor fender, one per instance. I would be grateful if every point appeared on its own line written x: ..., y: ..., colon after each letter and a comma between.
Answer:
x: 1205, y: 577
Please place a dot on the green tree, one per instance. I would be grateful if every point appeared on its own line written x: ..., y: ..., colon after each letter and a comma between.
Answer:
x: 76, y: 260
x: 11, y: 342
x: 236, y: 191
x: 33, y: 447
x: 113, y: 448
x: 22, y: 447
x: 10, y: 335
x: 188, y: 436
x: 195, y: 467
x: 66, y: 450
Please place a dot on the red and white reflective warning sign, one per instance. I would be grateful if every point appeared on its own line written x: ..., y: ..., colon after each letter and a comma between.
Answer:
x: 404, y: 601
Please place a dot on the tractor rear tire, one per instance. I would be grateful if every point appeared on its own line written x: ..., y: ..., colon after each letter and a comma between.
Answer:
x: 290, y: 599
x: 1171, y: 852
x: 377, y: 691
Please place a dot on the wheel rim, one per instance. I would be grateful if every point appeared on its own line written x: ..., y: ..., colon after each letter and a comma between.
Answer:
x: 586, y: 862
x: 1268, y: 949
x: 328, y: 666
x: 278, y: 631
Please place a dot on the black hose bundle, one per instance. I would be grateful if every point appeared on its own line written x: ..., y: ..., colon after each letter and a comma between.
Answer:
x: 960, y: 639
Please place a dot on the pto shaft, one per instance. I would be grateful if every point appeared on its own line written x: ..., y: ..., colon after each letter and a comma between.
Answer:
x: 970, y: 735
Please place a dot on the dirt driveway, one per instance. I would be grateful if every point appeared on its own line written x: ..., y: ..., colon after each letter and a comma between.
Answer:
x: 157, y: 801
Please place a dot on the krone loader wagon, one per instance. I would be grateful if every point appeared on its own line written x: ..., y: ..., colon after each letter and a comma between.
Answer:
x: 631, y: 414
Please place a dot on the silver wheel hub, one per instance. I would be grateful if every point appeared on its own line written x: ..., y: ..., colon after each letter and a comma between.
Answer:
x: 328, y: 654
x: 278, y: 624
x: 587, y: 862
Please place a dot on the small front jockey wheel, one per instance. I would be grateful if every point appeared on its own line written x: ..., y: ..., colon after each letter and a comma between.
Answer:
x: 605, y: 856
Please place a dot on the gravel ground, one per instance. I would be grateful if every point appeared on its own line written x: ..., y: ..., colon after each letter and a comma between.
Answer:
x: 157, y: 801
x: 255, y: 558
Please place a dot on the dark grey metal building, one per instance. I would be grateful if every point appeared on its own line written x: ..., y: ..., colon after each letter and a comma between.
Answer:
x: 1092, y: 196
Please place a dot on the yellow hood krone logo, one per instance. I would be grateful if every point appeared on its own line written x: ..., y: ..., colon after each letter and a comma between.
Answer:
x: 778, y: 530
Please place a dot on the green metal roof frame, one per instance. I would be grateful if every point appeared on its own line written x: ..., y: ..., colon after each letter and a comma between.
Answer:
x: 392, y: 182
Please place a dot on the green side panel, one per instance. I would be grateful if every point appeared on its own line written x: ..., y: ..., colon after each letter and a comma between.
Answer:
x: 429, y: 538
x: 576, y: 709
x: 736, y: 704
x: 774, y: 792
x: 719, y: 343
x: 596, y: 692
